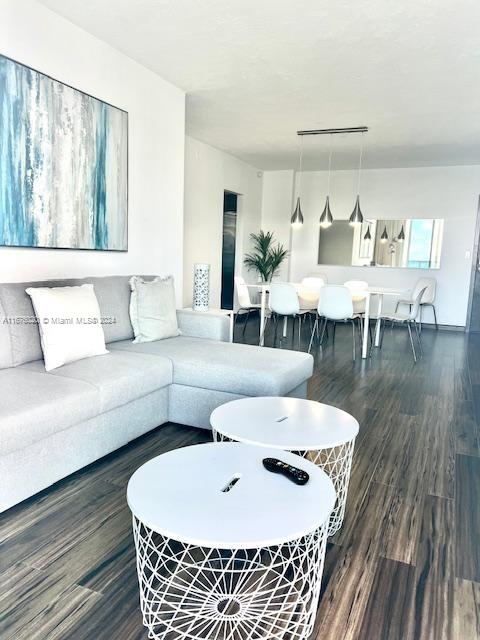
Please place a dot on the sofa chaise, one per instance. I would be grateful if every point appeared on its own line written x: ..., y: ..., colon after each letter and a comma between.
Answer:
x: 52, y: 424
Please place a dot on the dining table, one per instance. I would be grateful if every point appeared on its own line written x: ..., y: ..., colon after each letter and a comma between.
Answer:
x: 380, y: 292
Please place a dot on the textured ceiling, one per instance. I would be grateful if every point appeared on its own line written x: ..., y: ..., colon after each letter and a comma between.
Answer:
x: 255, y: 71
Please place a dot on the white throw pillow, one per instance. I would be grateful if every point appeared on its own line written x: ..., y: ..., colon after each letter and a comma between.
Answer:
x: 69, y: 323
x: 152, y: 309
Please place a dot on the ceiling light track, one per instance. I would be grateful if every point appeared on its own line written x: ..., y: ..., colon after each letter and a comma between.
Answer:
x: 325, y: 132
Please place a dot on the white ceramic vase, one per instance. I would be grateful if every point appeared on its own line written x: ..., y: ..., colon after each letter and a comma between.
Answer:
x: 201, y: 286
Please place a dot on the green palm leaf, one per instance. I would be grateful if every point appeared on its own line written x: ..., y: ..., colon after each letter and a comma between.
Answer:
x: 266, y: 257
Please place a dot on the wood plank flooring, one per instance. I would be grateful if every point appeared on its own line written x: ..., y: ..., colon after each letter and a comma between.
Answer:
x: 405, y: 565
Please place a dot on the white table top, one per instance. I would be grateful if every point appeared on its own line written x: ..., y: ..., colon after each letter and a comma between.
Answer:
x: 179, y: 495
x: 372, y: 289
x: 284, y: 423
x: 385, y: 291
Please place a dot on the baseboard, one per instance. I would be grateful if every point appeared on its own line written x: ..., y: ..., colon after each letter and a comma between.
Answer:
x: 444, y: 327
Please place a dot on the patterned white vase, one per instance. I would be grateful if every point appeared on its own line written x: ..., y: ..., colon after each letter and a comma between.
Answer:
x: 201, y: 286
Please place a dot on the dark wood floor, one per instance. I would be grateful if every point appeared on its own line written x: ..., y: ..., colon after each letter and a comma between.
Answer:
x: 405, y: 566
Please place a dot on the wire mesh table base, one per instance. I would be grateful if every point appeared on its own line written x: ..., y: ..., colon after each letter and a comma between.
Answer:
x: 199, y: 593
x: 337, y: 464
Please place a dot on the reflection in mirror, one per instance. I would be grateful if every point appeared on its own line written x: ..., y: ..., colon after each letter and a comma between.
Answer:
x: 411, y: 243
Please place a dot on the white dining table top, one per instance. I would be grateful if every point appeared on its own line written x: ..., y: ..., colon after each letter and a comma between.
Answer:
x: 266, y: 285
x: 385, y: 291
x: 373, y: 290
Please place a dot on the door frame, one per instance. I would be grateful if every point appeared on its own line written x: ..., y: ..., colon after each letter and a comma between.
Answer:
x: 475, y: 267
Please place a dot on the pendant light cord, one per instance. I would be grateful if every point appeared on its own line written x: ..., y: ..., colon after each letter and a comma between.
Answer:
x: 360, y: 164
x: 329, y: 165
x: 300, y: 167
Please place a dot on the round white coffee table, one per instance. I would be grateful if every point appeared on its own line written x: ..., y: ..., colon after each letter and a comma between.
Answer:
x: 323, y: 434
x: 225, y: 549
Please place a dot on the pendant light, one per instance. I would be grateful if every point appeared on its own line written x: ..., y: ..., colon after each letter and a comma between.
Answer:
x: 368, y: 235
x: 356, y: 216
x: 401, y: 235
x: 384, y: 236
x: 326, y: 218
x: 297, y: 216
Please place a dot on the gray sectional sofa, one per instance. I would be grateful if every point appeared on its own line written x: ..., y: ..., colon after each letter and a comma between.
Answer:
x: 52, y: 424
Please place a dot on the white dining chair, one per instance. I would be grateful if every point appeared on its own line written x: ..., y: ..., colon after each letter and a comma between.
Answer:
x: 428, y: 300
x: 283, y: 302
x: 309, y: 292
x: 336, y: 305
x: 245, y: 305
x: 409, y: 319
x: 358, y: 290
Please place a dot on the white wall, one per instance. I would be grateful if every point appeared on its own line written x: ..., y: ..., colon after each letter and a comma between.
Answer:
x: 431, y: 192
x: 37, y: 37
x: 208, y: 172
x: 277, y: 205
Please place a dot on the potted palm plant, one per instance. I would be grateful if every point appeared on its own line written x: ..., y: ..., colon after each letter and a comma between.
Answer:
x: 267, y: 255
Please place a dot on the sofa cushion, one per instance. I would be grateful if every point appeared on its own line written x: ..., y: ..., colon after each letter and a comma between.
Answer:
x: 34, y: 405
x: 19, y: 336
x: 223, y: 366
x: 118, y: 377
x: 69, y: 323
x: 152, y: 309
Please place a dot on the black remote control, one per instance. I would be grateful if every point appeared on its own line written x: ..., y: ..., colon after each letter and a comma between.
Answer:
x: 298, y: 476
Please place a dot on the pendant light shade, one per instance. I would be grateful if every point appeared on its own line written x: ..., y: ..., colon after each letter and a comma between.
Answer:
x: 326, y: 218
x: 297, y: 216
x: 356, y: 216
x: 401, y: 235
x: 368, y: 235
x: 384, y: 236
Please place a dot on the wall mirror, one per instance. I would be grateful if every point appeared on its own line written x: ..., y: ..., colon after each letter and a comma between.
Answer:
x: 412, y: 243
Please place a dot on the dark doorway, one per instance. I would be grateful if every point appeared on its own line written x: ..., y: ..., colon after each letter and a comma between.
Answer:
x: 228, y: 250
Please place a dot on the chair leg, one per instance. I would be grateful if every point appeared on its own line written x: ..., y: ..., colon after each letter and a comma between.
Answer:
x: 372, y: 342
x: 315, y: 328
x: 300, y: 319
x: 246, y: 321
x: 324, y: 328
x: 353, y: 339
x: 334, y: 329
x: 419, y: 339
x: 411, y: 341
x: 435, y: 317
x: 275, y: 322
x: 382, y: 331
x: 421, y: 314
x: 235, y: 319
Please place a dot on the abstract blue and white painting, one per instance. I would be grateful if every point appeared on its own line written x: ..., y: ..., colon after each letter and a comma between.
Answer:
x: 63, y: 165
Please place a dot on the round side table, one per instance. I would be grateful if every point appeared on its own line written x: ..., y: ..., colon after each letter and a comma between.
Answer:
x: 318, y: 432
x: 225, y: 549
